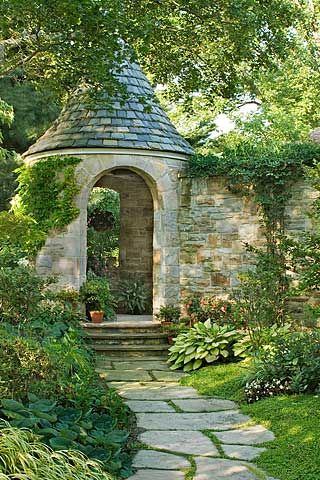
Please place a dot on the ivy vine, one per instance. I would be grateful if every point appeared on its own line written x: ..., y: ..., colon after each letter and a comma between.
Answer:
x: 44, y: 203
x: 268, y: 173
x: 46, y: 192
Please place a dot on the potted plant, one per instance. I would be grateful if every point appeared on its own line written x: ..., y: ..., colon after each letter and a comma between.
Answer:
x: 168, y: 314
x: 96, y: 295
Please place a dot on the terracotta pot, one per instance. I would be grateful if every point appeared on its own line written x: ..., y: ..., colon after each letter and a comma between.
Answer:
x: 166, y: 323
x: 96, y: 316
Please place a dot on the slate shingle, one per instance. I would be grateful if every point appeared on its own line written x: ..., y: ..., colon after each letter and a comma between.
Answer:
x: 139, y: 122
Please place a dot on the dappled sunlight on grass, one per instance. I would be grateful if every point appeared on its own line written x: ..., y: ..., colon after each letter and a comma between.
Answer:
x: 295, y: 420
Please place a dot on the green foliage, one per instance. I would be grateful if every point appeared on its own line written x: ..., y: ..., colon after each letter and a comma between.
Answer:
x: 34, y: 111
x: 267, y: 171
x: 305, y: 251
x: 103, y: 246
x: 217, y: 48
x: 24, y: 366
x: 67, y: 428
x: 45, y: 201
x: 95, y: 293
x: 20, y: 237
x: 292, y: 362
x: 9, y: 161
x: 169, y: 313
x: 21, y: 292
x: 133, y: 297
x: 41, y: 38
x: 23, y: 456
x: 46, y: 192
x: 203, y: 343
x: 209, y: 307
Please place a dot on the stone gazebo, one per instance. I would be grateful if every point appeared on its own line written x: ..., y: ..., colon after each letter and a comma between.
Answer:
x: 134, y: 149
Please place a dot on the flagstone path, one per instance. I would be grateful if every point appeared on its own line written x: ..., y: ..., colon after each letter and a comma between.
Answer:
x: 181, y: 432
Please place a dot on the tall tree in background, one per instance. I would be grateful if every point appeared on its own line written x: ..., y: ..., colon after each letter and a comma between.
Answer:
x: 221, y: 50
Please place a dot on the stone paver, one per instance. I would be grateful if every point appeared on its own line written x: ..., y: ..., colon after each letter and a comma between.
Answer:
x: 170, y: 376
x: 127, y: 375
x: 205, y: 405
x: 153, y: 474
x: 156, y: 391
x: 246, y: 436
x: 242, y: 452
x: 152, y: 392
x: 191, y: 421
x: 221, y: 469
x: 155, y: 406
x: 189, y: 443
x: 163, y: 461
x: 141, y: 365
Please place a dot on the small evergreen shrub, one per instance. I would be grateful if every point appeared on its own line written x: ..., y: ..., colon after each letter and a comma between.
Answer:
x: 96, y: 295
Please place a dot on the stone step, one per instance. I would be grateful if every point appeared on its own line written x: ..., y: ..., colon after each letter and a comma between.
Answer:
x: 155, y: 338
x: 121, y: 327
x: 135, y: 361
x: 124, y: 351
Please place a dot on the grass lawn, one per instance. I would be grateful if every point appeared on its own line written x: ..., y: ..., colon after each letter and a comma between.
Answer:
x: 295, y: 420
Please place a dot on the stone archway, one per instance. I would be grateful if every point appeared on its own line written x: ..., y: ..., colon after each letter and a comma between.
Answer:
x: 136, y: 230
x: 64, y: 255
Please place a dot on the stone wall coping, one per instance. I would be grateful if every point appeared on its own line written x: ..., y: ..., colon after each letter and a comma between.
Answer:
x: 106, y: 151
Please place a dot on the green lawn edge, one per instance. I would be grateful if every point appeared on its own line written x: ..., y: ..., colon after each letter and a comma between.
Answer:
x: 295, y: 421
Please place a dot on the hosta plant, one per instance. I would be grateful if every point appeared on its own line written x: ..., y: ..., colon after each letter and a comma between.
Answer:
x: 202, y: 344
x: 93, y: 433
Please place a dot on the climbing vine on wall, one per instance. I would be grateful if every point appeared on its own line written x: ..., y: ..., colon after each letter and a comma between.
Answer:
x: 46, y: 192
x: 268, y: 174
x: 44, y: 202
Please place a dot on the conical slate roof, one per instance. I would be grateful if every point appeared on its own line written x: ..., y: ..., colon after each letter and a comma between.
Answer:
x: 134, y: 125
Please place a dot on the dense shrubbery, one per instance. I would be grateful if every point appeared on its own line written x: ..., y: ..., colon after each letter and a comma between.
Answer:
x: 42, y: 352
x: 291, y: 364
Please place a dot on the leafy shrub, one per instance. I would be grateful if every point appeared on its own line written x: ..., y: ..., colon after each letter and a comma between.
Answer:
x: 204, y: 343
x: 23, y: 456
x: 169, y: 313
x: 95, y: 293
x: 24, y: 366
x: 292, y: 360
x: 133, y: 297
x: 20, y: 234
x: 21, y: 292
x: 209, y: 307
x: 65, y: 428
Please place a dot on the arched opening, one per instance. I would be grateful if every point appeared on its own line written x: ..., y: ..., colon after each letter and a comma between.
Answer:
x: 120, y: 237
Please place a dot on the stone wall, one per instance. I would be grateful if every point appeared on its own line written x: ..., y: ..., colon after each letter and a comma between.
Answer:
x: 215, y: 224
